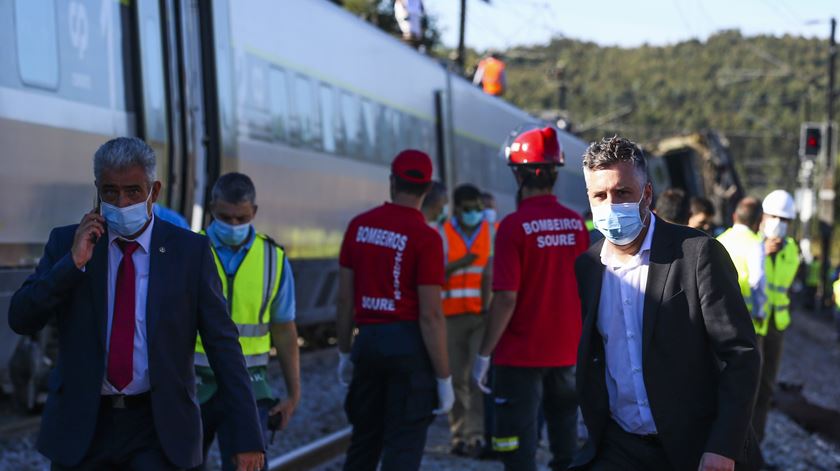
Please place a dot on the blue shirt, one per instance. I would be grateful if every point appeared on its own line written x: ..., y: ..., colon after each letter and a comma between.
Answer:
x: 620, y: 320
x: 283, y: 306
x: 171, y: 216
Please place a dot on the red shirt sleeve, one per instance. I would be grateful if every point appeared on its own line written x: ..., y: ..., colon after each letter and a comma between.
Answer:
x: 430, y: 261
x: 345, y: 257
x: 507, y: 259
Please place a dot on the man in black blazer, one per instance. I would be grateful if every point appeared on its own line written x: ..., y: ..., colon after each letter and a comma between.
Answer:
x: 667, y: 365
x: 129, y: 292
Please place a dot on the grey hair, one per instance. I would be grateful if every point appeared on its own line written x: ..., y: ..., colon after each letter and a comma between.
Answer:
x: 122, y: 153
x: 234, y: 188
x: 612, y: 150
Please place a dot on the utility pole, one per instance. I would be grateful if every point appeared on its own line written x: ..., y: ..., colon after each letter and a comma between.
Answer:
x: 463, y: 23
x: 830, y: 187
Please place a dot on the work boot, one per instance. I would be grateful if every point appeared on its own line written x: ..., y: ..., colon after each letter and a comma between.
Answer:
x: 459, y: 448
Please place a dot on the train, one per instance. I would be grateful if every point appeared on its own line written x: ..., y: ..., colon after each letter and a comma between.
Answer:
x: 304, y: 97
x: 301, y: 95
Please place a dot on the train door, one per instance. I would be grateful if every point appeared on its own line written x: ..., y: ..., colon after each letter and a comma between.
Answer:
x: 201, y: 109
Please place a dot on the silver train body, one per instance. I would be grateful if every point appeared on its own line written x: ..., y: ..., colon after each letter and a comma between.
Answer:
x: 307, y: 99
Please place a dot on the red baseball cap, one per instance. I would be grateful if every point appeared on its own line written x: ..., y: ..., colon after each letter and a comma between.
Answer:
x: 413, y: 166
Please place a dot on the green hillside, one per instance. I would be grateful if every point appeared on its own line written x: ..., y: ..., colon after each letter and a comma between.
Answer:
x: 756, y: 90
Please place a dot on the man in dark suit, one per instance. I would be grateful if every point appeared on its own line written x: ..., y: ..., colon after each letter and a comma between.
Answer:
x: 667, y: 364
x: 129, y: 292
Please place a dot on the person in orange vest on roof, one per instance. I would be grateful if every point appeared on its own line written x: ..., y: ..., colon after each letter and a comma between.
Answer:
x: 490, y: 74
x: 468, y: 247
x: 534, y: 323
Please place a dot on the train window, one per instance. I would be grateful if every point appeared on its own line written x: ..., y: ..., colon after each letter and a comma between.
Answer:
x: 371, y: 112
x: 152, y: 70
x: 328, y: 118
x: 37, y: 44
x: 279, y: 103
x: 224, y: 74
x: 351, y: 118
x: 307, y: 112
x: 386, y: 134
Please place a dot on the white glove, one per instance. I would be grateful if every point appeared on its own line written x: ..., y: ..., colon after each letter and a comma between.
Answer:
x: 446, y: 395
x: 479, y: 372
x: 345, y: 369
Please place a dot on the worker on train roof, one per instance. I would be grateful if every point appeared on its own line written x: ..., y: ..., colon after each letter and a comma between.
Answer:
x: 534, y: 322
x: 259, y: 287
x: 390, y: 278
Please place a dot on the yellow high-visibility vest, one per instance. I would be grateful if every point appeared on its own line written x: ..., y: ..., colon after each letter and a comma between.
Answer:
x: 780, y: 274
x: 739, y: 244
x: 250, y: 293
x: 837, y: 293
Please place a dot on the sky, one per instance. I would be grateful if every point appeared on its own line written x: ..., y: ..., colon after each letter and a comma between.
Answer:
x: 627, y: 23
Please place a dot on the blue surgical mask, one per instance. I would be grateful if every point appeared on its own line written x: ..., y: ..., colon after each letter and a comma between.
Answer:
x: 230, y: 234
x: 471, y: 218
x: 620, y: 223
x: 490, y: 215
x: 126, y: 221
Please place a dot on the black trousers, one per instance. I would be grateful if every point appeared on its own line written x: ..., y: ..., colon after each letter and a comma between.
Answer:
x: 214, y: 424
x: 623, y: 451
x: 518, y: 393
x: 771, y: 359
x: 125, y: 439
x: 391, y: 398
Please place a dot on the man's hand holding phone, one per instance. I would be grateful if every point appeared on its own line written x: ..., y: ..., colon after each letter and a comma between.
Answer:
x: 90, y: 229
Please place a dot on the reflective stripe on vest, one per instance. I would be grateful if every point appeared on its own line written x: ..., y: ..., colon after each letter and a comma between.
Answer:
x: 780, y: 274
x: 250, y: 293
x: 739, y: 243
x: 461, y: 293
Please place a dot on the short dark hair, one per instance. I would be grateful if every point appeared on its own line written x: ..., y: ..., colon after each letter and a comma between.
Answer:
x: 748, y: 212
x: 536, y: 177
x: 612, y: 150
x: 234, y: 188
x: 436, y: 192
x: 465, y: 192
x: 672, y: 206
x: 702, y: 205
x: 404, y: 186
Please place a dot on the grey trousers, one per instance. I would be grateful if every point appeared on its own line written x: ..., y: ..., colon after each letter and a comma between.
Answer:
x: 463, y: 339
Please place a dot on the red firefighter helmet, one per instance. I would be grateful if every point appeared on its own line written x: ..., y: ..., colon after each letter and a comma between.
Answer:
x: 534, y: 146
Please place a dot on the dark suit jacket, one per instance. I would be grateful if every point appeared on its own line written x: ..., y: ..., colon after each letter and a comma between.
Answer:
x: 699, y: 354
x: 184, y: 297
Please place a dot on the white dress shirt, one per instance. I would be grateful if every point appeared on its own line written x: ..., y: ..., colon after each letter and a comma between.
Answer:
x: 620, y: 321
x: 140, y: 379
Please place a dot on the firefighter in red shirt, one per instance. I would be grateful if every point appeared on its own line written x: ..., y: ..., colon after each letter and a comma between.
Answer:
x: 390, y: 277
x: 534, y: 323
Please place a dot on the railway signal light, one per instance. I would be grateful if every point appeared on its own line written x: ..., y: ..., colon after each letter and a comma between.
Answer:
x: 810, y: 140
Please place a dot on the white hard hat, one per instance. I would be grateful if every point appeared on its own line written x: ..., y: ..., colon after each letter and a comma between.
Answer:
x: 779, y: 203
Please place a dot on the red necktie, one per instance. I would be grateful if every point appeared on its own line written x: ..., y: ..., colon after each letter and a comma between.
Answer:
x: 121, y: 350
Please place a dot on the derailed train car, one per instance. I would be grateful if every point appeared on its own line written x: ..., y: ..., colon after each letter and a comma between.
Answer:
x: 307, y: 99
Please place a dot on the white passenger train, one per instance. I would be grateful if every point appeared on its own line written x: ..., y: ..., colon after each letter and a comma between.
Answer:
x: 307, y: 99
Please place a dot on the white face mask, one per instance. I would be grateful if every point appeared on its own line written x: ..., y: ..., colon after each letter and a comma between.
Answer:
x: 775, y: 228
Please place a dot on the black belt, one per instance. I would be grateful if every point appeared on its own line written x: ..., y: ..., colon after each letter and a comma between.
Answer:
x: 651, y: 438
x: 121, y: 401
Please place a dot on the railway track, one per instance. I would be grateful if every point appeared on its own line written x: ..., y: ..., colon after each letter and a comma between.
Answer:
x: 314, y: 453
x: 20, y: 426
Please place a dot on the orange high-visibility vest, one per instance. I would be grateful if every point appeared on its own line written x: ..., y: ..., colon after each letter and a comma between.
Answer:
x: 462, y: 290
x: 492, y: 80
